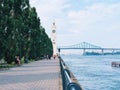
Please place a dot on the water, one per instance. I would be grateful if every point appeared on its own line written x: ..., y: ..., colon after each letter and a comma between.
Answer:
x: 94, y: 72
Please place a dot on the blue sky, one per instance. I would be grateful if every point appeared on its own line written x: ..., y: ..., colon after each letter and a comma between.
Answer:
x: 93, y: 21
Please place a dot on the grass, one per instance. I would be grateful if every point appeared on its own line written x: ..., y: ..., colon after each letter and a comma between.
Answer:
x: 14, y: 65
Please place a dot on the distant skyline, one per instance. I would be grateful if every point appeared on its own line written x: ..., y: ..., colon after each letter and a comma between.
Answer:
x: 93, y: 21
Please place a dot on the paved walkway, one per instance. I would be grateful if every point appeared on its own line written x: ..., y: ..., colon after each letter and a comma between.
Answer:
x: 38, y: 75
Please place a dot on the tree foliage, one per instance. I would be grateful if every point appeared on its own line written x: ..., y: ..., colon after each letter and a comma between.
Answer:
x: 21, y: 31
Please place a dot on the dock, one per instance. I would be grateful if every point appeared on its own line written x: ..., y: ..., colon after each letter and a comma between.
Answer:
x: 115, y: 64
x: 38, y: 75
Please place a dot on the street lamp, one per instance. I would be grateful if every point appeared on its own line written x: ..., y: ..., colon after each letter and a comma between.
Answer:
x: 29, y: 34
x: 59, y: 51
x: 12, y: 12
x: 20, y: 45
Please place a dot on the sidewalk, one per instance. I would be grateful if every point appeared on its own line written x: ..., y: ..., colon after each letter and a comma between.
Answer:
x: 38, y: 75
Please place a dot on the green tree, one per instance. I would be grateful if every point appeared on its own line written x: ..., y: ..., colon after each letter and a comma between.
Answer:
x: 21, y: 31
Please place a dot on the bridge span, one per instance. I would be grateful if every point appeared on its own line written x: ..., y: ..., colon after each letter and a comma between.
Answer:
x: 87, y: 46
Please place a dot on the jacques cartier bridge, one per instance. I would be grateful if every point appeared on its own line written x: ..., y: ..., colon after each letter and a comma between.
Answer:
x: 87, y: 46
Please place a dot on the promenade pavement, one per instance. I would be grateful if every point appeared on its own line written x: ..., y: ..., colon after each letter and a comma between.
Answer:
x: 38, y: 75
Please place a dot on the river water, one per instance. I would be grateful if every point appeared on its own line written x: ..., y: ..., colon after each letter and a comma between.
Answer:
x: 95, y: 72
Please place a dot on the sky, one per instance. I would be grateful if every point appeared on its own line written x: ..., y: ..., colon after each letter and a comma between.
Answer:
x: 92, y: 21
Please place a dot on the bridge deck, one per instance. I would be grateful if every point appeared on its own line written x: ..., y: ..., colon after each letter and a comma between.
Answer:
x: 39, y: 75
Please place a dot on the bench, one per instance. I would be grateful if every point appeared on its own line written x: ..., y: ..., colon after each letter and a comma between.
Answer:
x: 3, y: 64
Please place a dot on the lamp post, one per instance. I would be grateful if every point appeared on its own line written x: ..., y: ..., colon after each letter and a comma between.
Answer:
x: 20, y: 46
x: 59, y: 52
x: 29, y: 34
x: 34, y: 50
x: 29, y: 43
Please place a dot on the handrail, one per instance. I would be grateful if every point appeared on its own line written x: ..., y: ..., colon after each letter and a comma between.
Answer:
x: 68, y: 83
x: 68, y: 77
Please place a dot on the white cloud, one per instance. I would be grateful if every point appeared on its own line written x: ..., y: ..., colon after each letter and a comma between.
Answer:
x: 96, y: 23
x: 49, y: 11
x: 47, y: 8
x: 98, y: 14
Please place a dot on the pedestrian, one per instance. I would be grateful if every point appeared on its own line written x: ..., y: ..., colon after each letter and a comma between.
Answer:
x: 54, y: 56
x: 17, y: 59
x: 49, y: 56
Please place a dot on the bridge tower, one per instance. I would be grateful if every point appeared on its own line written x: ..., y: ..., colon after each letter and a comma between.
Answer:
x: 54, y: 39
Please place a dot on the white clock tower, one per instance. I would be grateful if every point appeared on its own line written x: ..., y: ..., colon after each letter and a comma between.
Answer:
x: 54, y: 40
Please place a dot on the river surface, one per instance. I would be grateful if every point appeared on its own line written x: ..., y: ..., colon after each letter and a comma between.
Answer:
x: 95, y: 72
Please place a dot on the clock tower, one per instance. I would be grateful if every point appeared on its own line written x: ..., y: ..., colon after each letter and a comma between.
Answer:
x: 54, y: 40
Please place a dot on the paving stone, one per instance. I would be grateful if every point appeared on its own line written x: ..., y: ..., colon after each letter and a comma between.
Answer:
x: 38, y: 75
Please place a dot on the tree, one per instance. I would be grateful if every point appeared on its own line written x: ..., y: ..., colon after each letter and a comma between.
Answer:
x: 21, y: 32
